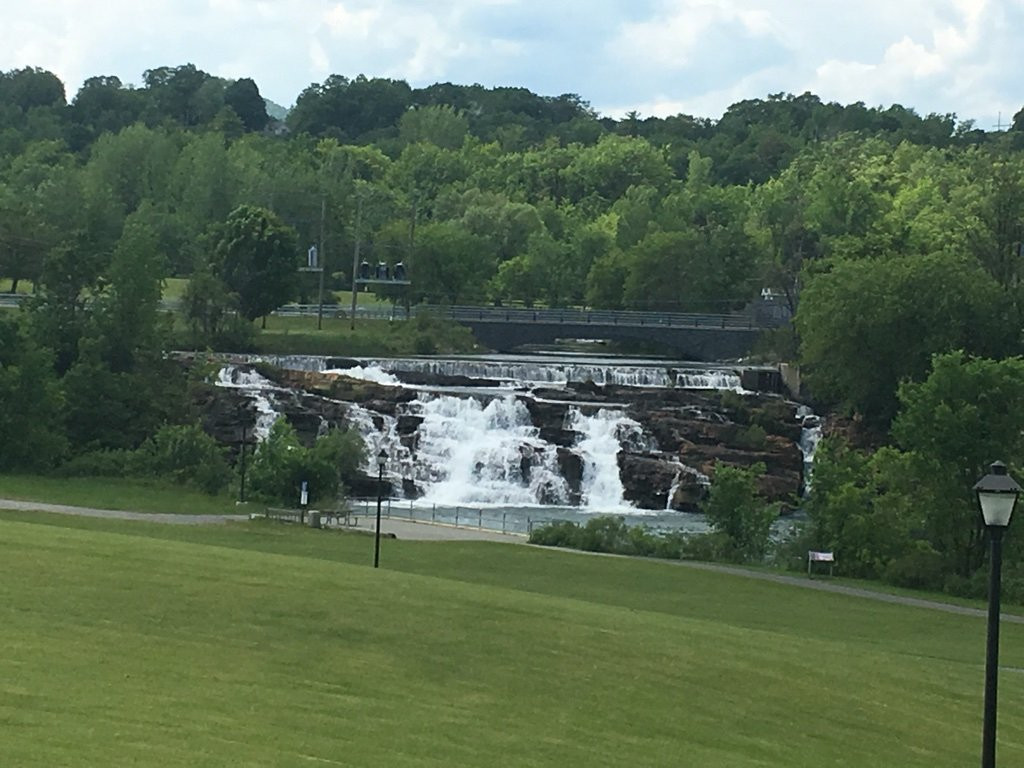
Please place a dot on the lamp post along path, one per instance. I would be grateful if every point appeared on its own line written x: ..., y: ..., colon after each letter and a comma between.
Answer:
x: 997, y: 495
x: 382, y: 459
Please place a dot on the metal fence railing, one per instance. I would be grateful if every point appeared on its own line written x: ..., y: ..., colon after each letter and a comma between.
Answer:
x: 495, y: 520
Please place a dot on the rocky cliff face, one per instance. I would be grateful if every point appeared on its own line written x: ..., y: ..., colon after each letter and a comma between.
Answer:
x: 686, y: 434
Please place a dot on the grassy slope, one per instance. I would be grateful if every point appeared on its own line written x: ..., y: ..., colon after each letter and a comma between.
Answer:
x: 299, y: 335
x: 272, y: 645
x: 116, y: 493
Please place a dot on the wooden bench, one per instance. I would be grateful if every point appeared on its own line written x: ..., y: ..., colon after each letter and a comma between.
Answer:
x: 819, y: 557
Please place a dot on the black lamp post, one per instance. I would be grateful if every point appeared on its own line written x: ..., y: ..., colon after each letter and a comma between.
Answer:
x: 997, y: 494
x: 382, y: 459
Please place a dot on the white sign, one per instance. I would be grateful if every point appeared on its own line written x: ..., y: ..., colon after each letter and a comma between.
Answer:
x: 304, y: 495
x: 311, y: 257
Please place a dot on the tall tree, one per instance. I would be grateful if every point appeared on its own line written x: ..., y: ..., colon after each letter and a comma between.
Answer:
x: 866, y: 325
x: 244, y: 98
x: 257, y: 258
x: 964, y: 415
x: 31, y: 419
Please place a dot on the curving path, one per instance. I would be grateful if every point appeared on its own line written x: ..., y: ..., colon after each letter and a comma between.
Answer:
x: 417, y: 531
x: 119, y: 514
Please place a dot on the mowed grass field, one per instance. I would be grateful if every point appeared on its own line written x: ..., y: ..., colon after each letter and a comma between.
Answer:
x: 270, y: 645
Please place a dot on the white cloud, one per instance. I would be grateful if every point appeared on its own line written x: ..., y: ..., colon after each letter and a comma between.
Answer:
x: 346, y: 24
x: 657, y: 56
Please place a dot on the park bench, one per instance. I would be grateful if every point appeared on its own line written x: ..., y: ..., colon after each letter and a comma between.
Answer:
x: 819, y: 557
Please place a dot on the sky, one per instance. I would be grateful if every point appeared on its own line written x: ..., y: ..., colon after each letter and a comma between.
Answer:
x: 658, y: 57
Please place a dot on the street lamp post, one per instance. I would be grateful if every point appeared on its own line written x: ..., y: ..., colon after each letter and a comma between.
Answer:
x: 997, y: 494
x: 382, y: 459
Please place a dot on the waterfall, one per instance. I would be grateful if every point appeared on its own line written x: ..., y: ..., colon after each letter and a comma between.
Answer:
x: 561, y: 373
x: 709, y: 380
x: 810, y: 436
x: 260, y: 390
x: 373, y: 373
x: 474, y: 447
x: 601, y: 437
x: 536, y: 371
x: 683, y: 469
x: 469, y: 452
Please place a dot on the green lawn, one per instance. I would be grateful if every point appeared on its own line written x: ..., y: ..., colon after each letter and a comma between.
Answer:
x: 174, y: 289
x: 271, y: 645
x: 299, y: 335
x: 24, y: 286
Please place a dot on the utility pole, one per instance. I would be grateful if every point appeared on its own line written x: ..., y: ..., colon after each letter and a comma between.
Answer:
x: 355, y: 258
x: 412, y: 246
x: 241, y: 487
x: 322, y: 262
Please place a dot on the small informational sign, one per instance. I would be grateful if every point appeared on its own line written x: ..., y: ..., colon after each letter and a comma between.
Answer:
x: 304, y: 494
x: 311, y: 257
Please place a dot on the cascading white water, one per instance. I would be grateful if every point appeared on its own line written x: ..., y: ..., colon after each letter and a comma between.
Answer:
x: 601, y: 437
x: 561, y: 373
x: 709, y: 380
x: 469, y: 452
x: 372, y: 373
x: 260, y: 389
x: 684, y: 469
x: 810, y: 436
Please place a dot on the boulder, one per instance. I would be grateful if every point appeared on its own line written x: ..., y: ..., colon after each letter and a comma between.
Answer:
x: 646, y: 479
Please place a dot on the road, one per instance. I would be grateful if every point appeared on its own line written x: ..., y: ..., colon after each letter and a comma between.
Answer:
x: 416, y: 531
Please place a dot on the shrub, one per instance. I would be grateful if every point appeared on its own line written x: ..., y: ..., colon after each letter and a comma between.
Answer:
x: 109, y: 463
x: 921, y: 568
x: 610, y: 535
x: 187, y: 455
x: 606, y: 534
x: 282, y: 464
x: 752, y: 437
x: 791, y: 548
x: 708, y: 547
x: 734, y: 510
x: 560, y: 533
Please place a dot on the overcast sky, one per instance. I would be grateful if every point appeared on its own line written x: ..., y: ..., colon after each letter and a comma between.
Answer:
x: 659, y: 57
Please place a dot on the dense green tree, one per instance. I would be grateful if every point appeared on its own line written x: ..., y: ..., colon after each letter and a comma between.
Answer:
x: 440, y: 125
x: 734, y: 510
x: 31, y: 419
x: 282, y: 464
x: 452, y: 265
x: 126, y: 313
x: 866, y: 325
x: 613, y: 165
x: 177, y: 94
x: 104, y: 105
x: 964, y: 415
x: 257, y: 258
x: 243, y: 96
x: 132, y: 166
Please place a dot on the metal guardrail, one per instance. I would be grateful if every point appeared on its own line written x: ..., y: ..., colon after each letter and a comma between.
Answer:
x: 337, y: 310
x: 496, y: 521
x: 605, y: 317
x: 508, y: 315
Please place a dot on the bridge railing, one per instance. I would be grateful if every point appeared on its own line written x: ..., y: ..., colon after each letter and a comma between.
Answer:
x: 605, y: 317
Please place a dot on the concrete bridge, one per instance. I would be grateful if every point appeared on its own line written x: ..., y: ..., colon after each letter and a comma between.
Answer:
x: 692, y: 336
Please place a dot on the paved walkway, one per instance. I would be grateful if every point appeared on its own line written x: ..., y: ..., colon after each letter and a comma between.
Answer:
x: 118, y: 514
x: 402, y: 529
x: 417, y: 531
